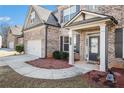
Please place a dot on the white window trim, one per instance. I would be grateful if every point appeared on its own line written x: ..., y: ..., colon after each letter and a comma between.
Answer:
x: 65, y: 43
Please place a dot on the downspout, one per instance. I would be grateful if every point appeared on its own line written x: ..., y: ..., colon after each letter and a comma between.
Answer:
x: 122, y: 35
x: 46, y: 41
x: 15, y: 41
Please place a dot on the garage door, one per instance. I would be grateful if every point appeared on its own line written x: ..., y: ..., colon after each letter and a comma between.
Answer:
x: 11, y: 45
x: 34, y: 47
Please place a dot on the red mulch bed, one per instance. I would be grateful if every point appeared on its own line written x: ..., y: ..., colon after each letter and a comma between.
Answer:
x: 50, y: 63
x: 99, y: 78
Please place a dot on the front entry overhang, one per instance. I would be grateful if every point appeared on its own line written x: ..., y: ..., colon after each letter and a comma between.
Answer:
x: 85, y: 17
x: 84, y: 20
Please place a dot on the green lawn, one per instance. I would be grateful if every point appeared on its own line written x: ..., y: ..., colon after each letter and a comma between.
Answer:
x: 9, y: 78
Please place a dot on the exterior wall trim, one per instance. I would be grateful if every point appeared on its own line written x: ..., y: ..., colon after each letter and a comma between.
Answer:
x: 80, y: 12
x: 92, y: 24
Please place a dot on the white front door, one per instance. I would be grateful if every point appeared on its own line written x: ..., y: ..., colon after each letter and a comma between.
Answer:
x: 11, y: 45
x: 34, y: 48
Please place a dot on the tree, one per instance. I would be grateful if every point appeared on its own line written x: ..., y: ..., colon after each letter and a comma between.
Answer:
x: 4, y: 28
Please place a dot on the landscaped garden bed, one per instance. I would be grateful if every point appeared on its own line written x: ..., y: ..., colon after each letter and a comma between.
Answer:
x: 9, y: 78
x: 99, y: 78
x: 50, y: 63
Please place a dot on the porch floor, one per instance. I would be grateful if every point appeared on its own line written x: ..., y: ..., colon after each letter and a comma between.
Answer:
x: 86, y: 66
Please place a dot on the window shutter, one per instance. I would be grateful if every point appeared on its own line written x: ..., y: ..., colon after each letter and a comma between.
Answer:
x: 61, y: 43
x: 119, y: 42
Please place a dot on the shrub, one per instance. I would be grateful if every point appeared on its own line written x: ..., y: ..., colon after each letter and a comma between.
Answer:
x: 64, y: 55
x: 60, y: 55
x: 19, y: 48
x: 56, y: 55
x: 4, y: 46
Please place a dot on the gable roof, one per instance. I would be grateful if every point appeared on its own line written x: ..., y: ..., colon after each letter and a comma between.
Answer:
x: 46, y: 16
x: 97, y: 18
x: 16, y: 30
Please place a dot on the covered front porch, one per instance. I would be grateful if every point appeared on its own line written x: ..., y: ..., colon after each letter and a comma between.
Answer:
x: 93, y: 44
x: 93, y: 40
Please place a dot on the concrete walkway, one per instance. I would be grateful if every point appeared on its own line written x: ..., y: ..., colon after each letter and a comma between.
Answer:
x: 17, y: 63
x: 7, y: 52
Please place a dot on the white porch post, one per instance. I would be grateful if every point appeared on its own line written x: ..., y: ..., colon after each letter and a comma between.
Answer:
x: 103, y: 48
x: 71, y: 47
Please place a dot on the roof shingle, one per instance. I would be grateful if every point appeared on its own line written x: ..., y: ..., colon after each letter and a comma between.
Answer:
x: 16, y: 30
x: 46, y: 16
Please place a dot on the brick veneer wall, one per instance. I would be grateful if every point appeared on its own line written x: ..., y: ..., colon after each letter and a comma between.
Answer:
x: 117, y: 11
x: 52, y: 40
x: 11, y: 38
x: 39, y: 33
x: 36, y: 33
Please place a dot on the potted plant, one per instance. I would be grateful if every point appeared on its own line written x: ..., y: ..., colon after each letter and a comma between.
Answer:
x: 98, y: 59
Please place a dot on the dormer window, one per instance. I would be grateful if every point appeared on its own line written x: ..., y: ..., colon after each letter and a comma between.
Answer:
x: 32, y: 17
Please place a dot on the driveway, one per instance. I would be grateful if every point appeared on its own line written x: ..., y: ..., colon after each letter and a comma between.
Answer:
x: 16, y: 59
x: 7, y: 52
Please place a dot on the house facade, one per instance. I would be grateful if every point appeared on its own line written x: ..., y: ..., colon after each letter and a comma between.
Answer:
x: 41, y: 32
x: 14, y: 36
x: 89, y: 33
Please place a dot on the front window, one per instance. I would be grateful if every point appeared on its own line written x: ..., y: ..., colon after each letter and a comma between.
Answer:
x: 65, y: 42
x: 70, y: 12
